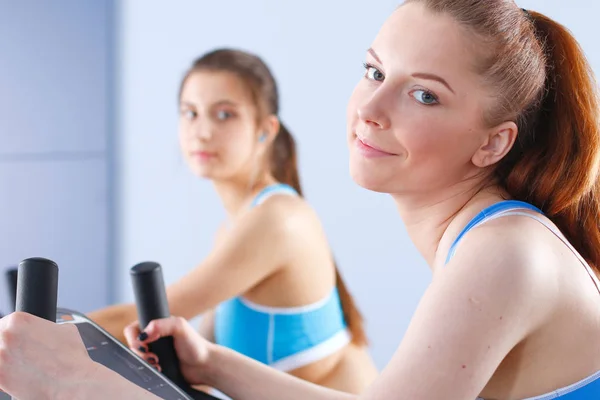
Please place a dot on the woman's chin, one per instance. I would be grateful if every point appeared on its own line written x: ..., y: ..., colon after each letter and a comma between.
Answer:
x: 368, y: 180
x: 203, y: 173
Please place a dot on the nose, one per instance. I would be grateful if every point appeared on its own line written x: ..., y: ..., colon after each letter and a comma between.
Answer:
x: 373, y: 112
x: 201, y: 130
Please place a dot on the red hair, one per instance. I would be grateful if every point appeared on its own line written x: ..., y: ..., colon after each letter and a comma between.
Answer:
x: 544, y: 84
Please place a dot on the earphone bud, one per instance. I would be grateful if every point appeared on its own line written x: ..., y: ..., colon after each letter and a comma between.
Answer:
x: 262, y: 138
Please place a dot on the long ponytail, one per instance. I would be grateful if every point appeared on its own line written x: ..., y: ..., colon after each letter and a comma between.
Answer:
x: 559, y: 168
x: 284, y: 159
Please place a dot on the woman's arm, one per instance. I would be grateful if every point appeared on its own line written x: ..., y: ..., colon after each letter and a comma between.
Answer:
x: 238, y: 376
x: 243, y: 378
x: 207, y: 331
x: 497, y: 290
x: 207, y: 326
x: 255, y: 248
x: 114, y: 318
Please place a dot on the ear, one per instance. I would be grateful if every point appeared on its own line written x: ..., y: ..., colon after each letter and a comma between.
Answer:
x: 496, y: 144
x: 269, y: 128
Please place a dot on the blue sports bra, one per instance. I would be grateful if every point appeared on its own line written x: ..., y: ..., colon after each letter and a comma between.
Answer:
x: 285, y: 338
x: 588, y: 388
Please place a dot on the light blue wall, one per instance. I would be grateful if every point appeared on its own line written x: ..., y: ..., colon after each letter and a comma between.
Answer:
x: 55, y: 119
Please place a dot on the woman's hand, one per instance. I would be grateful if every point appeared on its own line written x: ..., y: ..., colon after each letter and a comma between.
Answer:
x: 192, y: 350
x: 237, y: 376
x: 40, y: 359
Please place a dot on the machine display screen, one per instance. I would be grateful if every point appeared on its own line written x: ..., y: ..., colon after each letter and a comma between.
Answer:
x: 107, y: 351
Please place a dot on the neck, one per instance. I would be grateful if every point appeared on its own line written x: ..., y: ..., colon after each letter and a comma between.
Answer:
x: 434, y: 220
x: 237, y: 194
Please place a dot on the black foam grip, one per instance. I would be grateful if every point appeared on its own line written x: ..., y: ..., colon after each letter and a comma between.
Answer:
x: 37, y: 288
x: 11, y: 283
x: 151, y: 301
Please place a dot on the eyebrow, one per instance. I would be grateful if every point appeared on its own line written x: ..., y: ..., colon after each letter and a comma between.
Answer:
x: 422, y: 75
x: 217, y: 103
x: 375, y: 56
x: 226, y: 103
x: 432, y: 77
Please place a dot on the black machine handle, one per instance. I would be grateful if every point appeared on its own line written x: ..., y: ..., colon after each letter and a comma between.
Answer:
x: 151, y: 301
x: 11, y: 282
x: 37, y: 288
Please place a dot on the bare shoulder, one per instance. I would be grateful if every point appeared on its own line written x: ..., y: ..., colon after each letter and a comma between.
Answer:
x: 282, y: 222
x: 495, y: 292
x: 286, y: 213
x: 513, y: 255
x: 515, y: 241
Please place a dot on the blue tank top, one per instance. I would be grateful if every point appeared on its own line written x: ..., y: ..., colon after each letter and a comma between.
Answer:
x: 285, y: 338
x: 588, y: 388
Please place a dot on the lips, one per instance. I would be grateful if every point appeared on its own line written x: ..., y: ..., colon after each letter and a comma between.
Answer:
x: 203, y: 155
x: 369, y: 149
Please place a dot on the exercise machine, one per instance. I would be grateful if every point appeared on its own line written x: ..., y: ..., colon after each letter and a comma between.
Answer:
x: 36, y: 293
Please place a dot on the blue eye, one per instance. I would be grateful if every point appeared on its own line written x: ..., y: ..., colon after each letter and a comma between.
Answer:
x: 424, y: 97
x: 189, y: 114
x: 223, y: 115
x: 373, y: 73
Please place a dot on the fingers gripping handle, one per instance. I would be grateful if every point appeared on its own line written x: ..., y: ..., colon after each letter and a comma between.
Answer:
x: 151, y: 301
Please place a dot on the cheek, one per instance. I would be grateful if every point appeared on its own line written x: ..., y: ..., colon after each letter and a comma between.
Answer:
x: 437, y: 147
x: 423, y: 140
x: 236, y: 147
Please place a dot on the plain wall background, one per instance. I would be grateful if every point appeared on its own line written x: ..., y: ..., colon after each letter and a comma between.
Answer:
x: 99, y: 194
x: 55, y: 123
x: 316, y: 50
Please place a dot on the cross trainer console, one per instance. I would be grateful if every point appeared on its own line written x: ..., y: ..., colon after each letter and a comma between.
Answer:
x: 36, y: 294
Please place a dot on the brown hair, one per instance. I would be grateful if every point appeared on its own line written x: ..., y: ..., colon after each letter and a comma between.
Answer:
x: 542, y: 82
x: 283, y: 156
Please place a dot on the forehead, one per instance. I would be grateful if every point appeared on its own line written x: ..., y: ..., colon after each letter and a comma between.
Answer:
x: 210, y: 86
x: 414, y: 39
